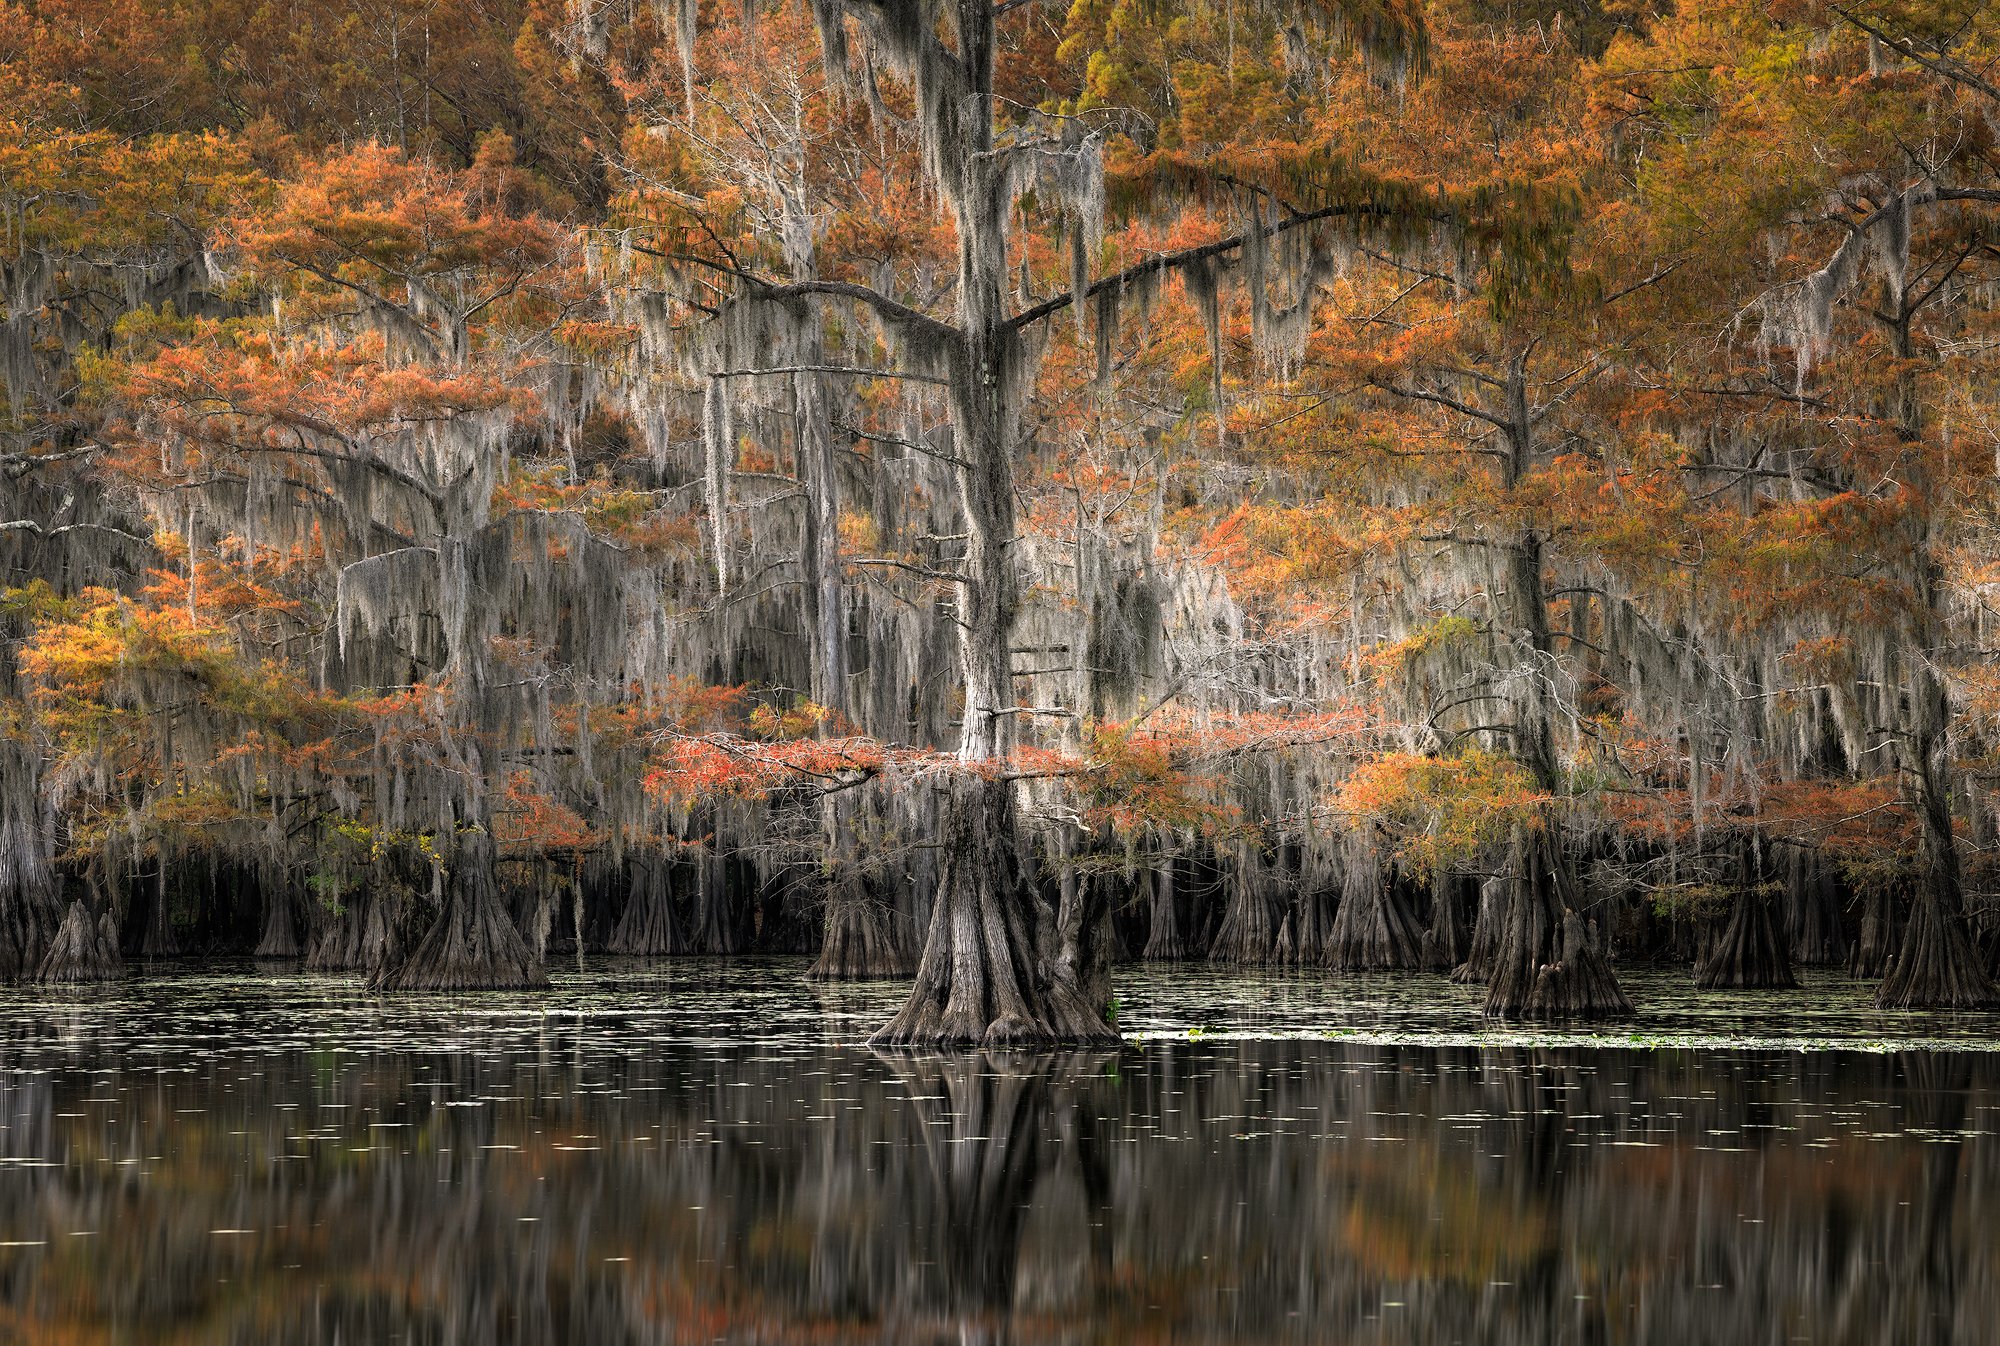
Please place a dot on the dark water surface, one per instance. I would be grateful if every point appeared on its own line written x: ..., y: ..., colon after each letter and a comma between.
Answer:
x: 695, y: 1152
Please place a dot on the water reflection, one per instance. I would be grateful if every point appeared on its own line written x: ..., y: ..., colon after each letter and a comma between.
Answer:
x: 212, y: 1166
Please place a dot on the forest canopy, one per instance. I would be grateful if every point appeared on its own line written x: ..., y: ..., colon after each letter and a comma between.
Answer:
x: 973, y: 491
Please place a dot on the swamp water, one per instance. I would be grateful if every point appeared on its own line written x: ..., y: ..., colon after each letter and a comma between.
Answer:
x: 691, y: 1152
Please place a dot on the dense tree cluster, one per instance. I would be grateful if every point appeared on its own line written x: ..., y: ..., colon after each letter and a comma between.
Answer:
x: 974, y: 491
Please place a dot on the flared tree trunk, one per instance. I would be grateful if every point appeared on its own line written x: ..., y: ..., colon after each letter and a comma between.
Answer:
x: 1748, y: 952
x: 83, y: 950
x: 1373, y: 931
x: 715, y: 927
x: 1812, y: 911
x: 1248, y: 935
x: 366, y: 936
x: 1164, y: 939
x: 29, y: 910
x: 1447, y: 940
x: 281, y: 935
x: 864, y: 936
x: 1310, y: 927
x: 1938, y: 965
x: 986, y: 977
x: 159, y: 939
x: 1549, y: 964
x: 646, y: 928
x: 472, y: 946
x: 1487, y: 925
x: 1879, y: 934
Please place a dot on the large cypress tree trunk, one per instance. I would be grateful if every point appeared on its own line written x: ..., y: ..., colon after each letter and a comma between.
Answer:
x: 1447, y: 941
x: 646, y: 927
x: 987, y: 977
x: 1248, y: 935
x: 1164, y: 940
x: 863, y: 934
x: 280, y: 938
x: 28, y: 900
x: 992, y: 969
x: 1491, y: 918
x: 1549, y: 964
x: 1748, y: 951
x: 1938, y: 965
x: 1549, y: 961
x: 472, y: 946
x: 1373, y: 931
x: 83, y: 950
x: 1812, y: 910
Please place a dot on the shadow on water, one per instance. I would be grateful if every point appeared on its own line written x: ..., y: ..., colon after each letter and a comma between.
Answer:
x: 195, y: 1159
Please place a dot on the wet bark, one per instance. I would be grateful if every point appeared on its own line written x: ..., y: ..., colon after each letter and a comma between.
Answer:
x: 987, y: 977
x: 472, y: 946
x: 83, y: 950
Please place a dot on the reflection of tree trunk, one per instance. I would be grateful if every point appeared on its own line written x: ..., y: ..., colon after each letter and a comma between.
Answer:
x: 984, y: 1121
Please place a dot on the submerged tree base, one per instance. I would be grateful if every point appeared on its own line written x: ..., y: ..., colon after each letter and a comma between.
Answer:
x: 863, y: 938
x: 1548, y: 964
x: 1749, y: 953
x: 1939, y: 966
x: 83, y: 950
x: 988, y: 976
x: 473, y: 946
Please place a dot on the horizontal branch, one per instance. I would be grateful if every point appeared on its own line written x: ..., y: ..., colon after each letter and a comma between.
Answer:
x: 854, y: 371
